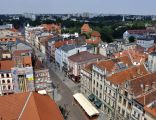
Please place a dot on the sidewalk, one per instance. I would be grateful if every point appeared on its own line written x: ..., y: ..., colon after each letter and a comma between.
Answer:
x: 68, y: 82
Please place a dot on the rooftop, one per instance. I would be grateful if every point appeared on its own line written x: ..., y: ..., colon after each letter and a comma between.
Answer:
x: 110, y: 64
x: 146, y: 81
x: 141, y: 31
x: 69, y: 47
x: 28, y: 106
x: 84, y: 56
x: 85, y: 28
x: 6, y: 64
x: 127, y: 74
x: 20, y: 52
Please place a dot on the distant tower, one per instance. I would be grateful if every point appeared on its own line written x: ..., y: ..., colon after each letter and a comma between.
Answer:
x: 152, y: 62
x: 123, y: 18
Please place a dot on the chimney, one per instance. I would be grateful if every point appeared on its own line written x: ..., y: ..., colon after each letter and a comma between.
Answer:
x: 153, y: 85
x: 146, y: 88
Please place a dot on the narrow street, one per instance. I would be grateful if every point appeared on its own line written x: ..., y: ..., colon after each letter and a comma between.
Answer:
x: 75, y: 112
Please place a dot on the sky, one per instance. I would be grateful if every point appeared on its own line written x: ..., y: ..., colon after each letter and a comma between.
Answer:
x: 141, y: 7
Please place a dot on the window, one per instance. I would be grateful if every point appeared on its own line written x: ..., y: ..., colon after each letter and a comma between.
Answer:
x: 106, y: 89
x: 97, y: 76
x: 134, y: 113
x: 9, y: 87
x: 94, y: 82
x: 114, y: 95
x: 96, y: 92
x: 109, y: 91
x: 97, y: 84
x: 3, y: 81
x: 100, y: 95
x: 126, y: 93
x: 100, y: 87
x: 124, y: 102
x: 2, y: 75
x: 129, y: 105
x: 119, y: 109
x: 8, y: 81
x: 7, y: 75
x: 120, y: 99
x: 123, y: 112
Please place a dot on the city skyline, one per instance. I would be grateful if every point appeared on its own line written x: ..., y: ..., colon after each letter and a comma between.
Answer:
x: 67, y: 7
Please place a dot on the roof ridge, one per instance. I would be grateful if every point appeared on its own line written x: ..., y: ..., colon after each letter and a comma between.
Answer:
x: 25, y: 105
x: 36, y: 106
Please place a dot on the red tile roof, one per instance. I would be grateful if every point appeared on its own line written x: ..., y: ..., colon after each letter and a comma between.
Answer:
x: 29, y: 106
x: 109, y: 65
x: 84, y: 57
x: 88, y: 67
x: 141, y: 31
x: 90, y: 41
x: 145, y: 80
x: 27, y: 60
x: 135, y: 55
x: 51, y: 27
x: 147, y: 98
x: 19, y: 52
x: 127, y: 74
x: 85, y: 28
x: 61, y: 43
x: 6, y: 64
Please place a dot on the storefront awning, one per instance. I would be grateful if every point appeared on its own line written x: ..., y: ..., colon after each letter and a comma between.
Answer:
x: 86, y: 105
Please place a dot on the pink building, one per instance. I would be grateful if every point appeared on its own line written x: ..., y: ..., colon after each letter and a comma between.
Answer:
x: 79, y: 60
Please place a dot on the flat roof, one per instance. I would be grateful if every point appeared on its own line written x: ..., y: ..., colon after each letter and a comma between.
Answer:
x: 86, y: 105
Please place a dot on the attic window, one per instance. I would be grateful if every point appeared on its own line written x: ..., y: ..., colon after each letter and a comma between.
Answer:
x: 126, y: 85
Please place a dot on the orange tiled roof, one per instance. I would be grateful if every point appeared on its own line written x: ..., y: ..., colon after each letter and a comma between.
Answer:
x: 90, y: 41
x: 19, y: 52
x: 61, y: 43
x: 29, y: 106
x: 136, y: 55
x: 151, y: 110
x: 85, y: 28
x: 88, y: 67
x: 27, y: 60
x: 147, y: 79
x: 110, y: 64
x: 50, y: 27
x: 84, y: 57
x: 147, y: 98
x: 6, y: 64
x: 128, y: 74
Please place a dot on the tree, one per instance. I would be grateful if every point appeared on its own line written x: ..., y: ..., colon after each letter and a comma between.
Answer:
x: 131, y: 39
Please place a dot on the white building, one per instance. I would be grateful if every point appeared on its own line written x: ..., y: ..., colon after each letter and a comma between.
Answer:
x: 152, y: 62
x: 62, y: 54
x: 145, y: 42
x: 135, y: 33
x: 6, y: 83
